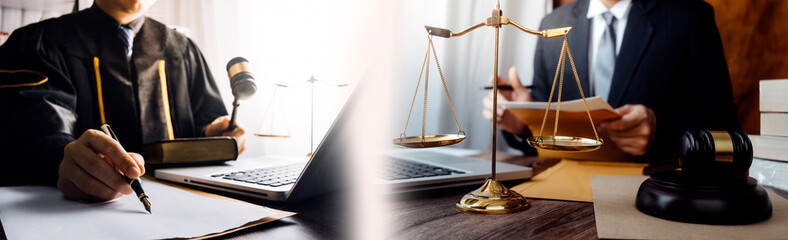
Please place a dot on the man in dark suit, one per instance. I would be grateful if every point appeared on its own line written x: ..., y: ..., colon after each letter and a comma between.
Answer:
x: 659, y: 63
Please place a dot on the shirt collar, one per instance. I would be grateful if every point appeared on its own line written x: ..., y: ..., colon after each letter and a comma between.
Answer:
x: 136, y: 25
x: 105, y: 18
x: 620, y: 9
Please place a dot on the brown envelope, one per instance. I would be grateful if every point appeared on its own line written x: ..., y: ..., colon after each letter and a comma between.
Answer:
x: 571, y: 180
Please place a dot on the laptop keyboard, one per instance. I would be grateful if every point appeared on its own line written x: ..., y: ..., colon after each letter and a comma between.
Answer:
x: 403, y: 169
x: 273, y: 176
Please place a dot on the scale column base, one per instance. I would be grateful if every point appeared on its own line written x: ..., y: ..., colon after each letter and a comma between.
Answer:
x: 492, y: 198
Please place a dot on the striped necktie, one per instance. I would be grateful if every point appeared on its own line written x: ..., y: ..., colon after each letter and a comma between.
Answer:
x: 127, y: 36
x: 605, y: 63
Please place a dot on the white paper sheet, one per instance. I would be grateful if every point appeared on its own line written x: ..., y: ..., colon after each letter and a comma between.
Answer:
x: 43, y: 213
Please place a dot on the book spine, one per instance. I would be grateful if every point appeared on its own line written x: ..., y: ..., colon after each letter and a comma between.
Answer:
x: 774, y: 124
x: 769, y: 147
x: 774, y: 95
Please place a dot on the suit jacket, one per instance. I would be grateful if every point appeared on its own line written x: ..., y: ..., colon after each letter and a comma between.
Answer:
x: 671, y: 60
x: 74, y: 55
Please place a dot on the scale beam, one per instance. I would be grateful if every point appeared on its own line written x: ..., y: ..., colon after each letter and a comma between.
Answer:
x: 547, y: 33
x: 446, y: 33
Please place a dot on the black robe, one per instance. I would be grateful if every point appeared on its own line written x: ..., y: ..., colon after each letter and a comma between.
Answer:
x: 50, y: 76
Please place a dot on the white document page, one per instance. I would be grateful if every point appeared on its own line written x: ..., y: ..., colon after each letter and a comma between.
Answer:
x: 43, y: 213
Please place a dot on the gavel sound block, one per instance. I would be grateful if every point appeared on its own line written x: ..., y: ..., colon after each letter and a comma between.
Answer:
x: 712, y: 187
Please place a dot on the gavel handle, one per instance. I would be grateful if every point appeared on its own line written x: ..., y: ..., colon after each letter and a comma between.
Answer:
x: 231, y: 127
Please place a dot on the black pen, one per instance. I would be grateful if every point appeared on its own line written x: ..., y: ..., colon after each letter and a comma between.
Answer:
x: 136, y: 185
x: 504, y: 87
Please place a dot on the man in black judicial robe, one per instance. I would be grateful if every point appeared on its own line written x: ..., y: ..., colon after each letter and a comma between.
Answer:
x: 60, y: 79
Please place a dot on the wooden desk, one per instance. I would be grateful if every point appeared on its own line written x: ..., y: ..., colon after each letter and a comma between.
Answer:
x: 431, y: 215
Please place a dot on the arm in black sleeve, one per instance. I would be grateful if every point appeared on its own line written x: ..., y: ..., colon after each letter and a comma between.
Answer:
x: 206, y: 101
x: 37, y: 103
x: 715, y: 109
x: 708, y: 96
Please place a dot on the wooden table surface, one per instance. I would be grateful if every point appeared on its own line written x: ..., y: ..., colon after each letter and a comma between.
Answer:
x: 431, y: 215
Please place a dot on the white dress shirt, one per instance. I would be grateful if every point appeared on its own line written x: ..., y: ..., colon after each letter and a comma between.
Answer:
x: 598, y: 25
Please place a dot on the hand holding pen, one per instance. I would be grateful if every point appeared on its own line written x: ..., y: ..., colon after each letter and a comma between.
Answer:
x: 135, y: 183
x: 93, y: 167
x: 516, y: 92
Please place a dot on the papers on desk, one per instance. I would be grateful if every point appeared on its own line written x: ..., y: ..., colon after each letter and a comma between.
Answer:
x: 617, y: 217
x: 571, y: 180
x: 43, y: 213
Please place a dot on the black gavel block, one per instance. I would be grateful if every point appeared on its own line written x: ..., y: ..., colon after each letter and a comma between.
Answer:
x: 712, y: 187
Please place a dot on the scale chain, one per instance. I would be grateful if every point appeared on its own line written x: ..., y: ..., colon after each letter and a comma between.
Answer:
x: 585, y: 104
x: 426, y: 84
x: 552, y: 90
x: 418, y: 84
x: 445, y: 88
x: 560, y: 90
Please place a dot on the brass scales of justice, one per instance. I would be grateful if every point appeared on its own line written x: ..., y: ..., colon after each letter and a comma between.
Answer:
x: 493, y: 197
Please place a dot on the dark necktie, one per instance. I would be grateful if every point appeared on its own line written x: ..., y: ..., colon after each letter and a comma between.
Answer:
x: 127, y: 36
x: 605, y: 63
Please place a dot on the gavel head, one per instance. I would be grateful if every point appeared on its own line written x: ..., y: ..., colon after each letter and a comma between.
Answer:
x: 241, y: 78
x: 703, y: 152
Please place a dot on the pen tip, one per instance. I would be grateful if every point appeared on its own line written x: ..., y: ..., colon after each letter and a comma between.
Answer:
x: 147, y: 205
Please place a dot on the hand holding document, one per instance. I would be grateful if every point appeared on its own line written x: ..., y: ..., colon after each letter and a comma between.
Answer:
x: 573, y: 121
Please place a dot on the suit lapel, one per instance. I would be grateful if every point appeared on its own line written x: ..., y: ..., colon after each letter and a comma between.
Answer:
x: 578, y: 44
x: 636, y: 39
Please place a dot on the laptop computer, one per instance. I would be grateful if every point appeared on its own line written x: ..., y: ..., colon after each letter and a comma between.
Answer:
x: 415, y: 170
x: 293, y: 179
x: 276, y: 178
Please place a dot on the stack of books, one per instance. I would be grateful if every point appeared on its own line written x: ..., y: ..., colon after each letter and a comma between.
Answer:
x: 770, y: 149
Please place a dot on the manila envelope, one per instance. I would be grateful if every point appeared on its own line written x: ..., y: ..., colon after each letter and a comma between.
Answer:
x: 571, y: 180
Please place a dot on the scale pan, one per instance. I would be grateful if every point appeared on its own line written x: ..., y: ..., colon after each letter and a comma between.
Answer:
x: 271, y: 135
x: 429, y: 140
x: 564, y: 143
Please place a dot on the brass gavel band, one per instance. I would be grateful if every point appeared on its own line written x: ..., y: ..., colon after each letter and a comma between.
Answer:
x: 237, y: 68
x: 723, y: 146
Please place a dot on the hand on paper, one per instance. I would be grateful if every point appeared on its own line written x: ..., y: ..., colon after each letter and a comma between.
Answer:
x: 506, y: 120
x: 634, y: 131
x: 218, y: 127
x: 92, y: 166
